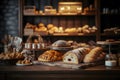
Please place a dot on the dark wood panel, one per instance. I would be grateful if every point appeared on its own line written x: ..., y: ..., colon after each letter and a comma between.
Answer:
x: 55, y: 21
x: 2, y: 77
x: 64, y: 21
x: 84, y: 75
x: 41, y: 72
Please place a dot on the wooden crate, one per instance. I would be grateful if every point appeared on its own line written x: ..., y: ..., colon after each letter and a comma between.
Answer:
x: 41, y: 33
x: 28, y: 31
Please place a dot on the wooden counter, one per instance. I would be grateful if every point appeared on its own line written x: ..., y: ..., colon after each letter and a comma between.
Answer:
x: 42, y: 72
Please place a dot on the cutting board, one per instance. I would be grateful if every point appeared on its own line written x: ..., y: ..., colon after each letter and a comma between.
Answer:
x: 67, y: 65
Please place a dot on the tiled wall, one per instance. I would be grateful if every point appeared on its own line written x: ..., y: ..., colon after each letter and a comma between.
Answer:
x: 9, y: 17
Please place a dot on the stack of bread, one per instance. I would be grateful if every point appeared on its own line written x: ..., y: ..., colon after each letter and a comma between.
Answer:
x: 51, y: 28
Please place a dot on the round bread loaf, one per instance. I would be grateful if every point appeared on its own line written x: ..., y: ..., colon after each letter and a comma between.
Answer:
x: 61, y: 43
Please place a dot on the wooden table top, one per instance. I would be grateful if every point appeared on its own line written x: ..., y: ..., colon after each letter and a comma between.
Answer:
x: 44, y: 68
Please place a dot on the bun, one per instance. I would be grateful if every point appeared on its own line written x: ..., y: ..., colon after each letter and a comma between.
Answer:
x: 94, y: 55
x: 49, y: 26
x: 75, y: 56
x: 50, y: 55
x: 41, y: 25
x: 71, y: 30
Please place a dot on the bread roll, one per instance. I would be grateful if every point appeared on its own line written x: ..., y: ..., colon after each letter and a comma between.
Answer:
x: 49, y: 26
x: 41, y: 25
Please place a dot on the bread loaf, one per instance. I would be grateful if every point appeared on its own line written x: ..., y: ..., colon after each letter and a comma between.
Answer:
x: 95, y: 54
x: 61, y: 43
x: 75, y: 56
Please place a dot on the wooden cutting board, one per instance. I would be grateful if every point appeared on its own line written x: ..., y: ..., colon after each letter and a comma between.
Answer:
x: 67, y: 65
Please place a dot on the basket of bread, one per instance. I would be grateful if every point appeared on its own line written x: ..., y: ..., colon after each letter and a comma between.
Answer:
x: 10, y: 58
x: 12, y: 50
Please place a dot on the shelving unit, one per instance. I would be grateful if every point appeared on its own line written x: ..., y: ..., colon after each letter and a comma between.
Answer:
x: 99, y: 19
x: 110, y: 17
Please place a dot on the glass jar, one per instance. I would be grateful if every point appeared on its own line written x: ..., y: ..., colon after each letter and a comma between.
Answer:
x: 111, y: 60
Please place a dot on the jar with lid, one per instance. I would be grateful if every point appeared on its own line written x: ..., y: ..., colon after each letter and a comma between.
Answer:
x: 110, y: 60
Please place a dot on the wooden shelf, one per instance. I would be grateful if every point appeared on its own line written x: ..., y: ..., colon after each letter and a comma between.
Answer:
x: 104, y: 34
x: 90, y: 18
x: 109, y: 14
x: 69, y: 34
x: 59, y: 14
x: 73, y: 34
